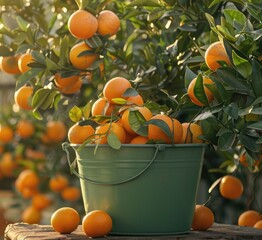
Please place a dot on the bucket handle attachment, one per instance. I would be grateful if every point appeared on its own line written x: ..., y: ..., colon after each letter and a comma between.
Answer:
x: 73, y: 166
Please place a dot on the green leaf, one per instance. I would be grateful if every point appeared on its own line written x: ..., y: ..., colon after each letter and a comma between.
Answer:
x: 199, y: 91
x: 27, y: 76
x: 229, y: 76
x: 257, y: 78
x: 23, y: 24
x: 120, y: 101
x: 189, y: 76
x: 226, y: 141
x: 155, y: 15
x: 75, y: 114
x: 39, y: 57
x: 249, y: 142
x: 242, y: 65
x: 113, y: 140
x: 256, y: 126
x: 211, y: 20
x: 130, y: 92
x: 43, y: 98
x: 163, y: 125
x: 51, y: 65
x: 94, y: 42
x: 231, y: 110
x: 87, y: 110
x: 5, y: 51
x: 137, y: 122
x: 148, y: 3
x: 24, y: 47
x: 63, y: 54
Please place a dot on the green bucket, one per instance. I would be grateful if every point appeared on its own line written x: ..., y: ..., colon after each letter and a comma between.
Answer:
x: 146, y: 189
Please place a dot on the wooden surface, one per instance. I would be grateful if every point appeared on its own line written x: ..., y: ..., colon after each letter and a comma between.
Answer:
x: 23, y: 231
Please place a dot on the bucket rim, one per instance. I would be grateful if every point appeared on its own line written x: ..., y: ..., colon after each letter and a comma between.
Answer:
x: 182, y: 145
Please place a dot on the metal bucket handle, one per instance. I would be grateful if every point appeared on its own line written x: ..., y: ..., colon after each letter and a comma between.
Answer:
x: 73, y: 170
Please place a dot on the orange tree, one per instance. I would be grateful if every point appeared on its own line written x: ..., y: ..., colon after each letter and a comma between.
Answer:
x: 159, y: 45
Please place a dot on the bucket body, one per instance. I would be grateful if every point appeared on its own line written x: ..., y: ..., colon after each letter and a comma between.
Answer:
x: 146, y: 189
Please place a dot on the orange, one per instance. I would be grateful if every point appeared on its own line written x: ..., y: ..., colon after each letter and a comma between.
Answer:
x: 31, y: 215
x: 29, y: 192
x: 108, y: 23
x: 23, y: 62
x: 85, y: 61
x: 71, y: 194
x: 214, y: 54
x: 97, y: 223
x: 191, y: 133
x: 63, y: 82
x: 102, y: 132
x: 155, y: 133
x: 115, y: 88
x: 1, y: 149
x: 82, y: 24
x: 68, y: 85
x: 56, y: 131
x: 258, y: 224
x: 102, y: 107
x: 65, y: 220
x: 7, y: 165
x: 78, y: 134
x: 34, y: 154
x: 27, y: 179
x: 146, y: 113
x: 25, y: 129
x: 9, y: 64
x: 231, y: 187
x: 23, y: 97
x: 40, y: 201
x: 249, y: 218
x: 137, y: 100
x: 203, y: 218
x: 139, y: 140
x: 191, y: 91
x: 58, y: 183
x: 6, y: 134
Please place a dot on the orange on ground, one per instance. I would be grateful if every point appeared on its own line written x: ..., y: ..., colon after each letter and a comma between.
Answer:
x: 82, y: 24
x: 249, y: 218
x: 115, y: 88
x: 7, y: 165
x: 56, y: 131
x: 25, y: 129
x: 137, y: 100
x: 65, y: 220
x: 214, y: 54
x: 191, y: 133
x: 97, y: 223
x: 40, y: 201
x: 85, y: 61
x: 258, y: 224
x: 146, y: 113
x: 108, y: 23
x: 139, y: 140
x: 71, y: 194
x: 23, y: 97
x: 191, y: 91
x: 155, y: 133
x: 231, y: 187
x: 102, y: 132
x: 78, y: 134
x: 203, y: 218
x: 23, y: 62
x: 9, y: 64
x: 31, y: 215
x: 58, y: 183
x: 102, y: 107
x: 6, y: 134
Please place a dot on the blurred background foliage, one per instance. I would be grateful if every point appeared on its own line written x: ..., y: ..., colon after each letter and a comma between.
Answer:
x: 160, y: 47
